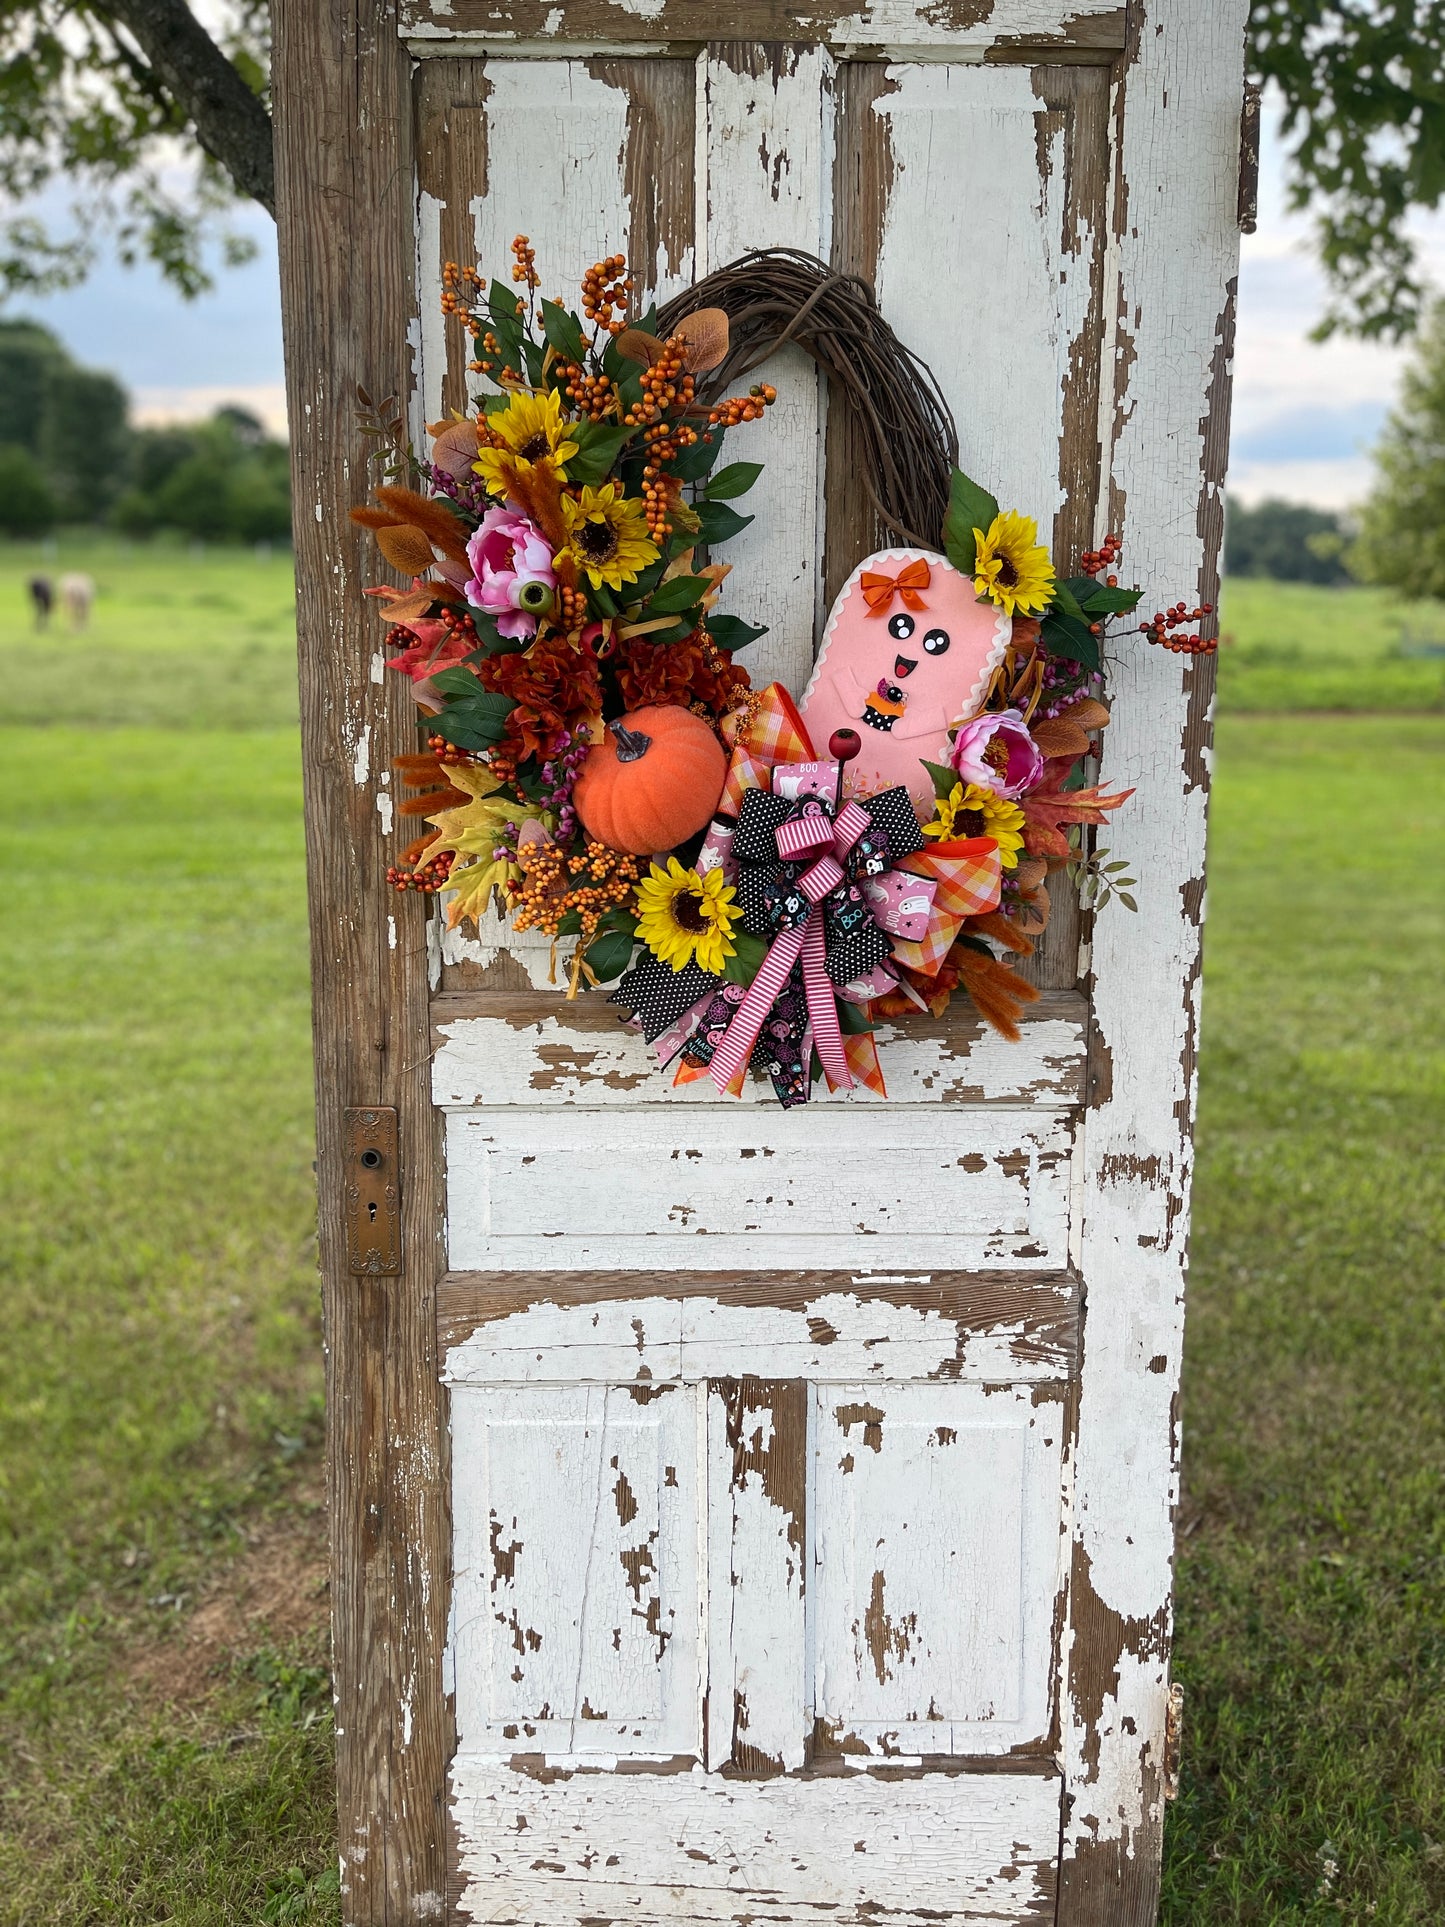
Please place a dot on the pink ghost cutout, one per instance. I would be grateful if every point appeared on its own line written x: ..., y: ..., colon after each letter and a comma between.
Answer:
x: 901, y: 665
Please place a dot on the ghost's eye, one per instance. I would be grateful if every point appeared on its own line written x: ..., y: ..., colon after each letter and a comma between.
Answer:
x: 900, y: 627
x: 936, y: 641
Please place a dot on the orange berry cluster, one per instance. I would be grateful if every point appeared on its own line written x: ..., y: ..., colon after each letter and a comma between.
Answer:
x: 1092, y: 561
x: 525, y: 266
x: 659, y: 492
x: 665, y: 385
x: 591, y: 883
x: 571, y: 608
x: 430, y: 878
x: 489, y: 362
x: 1167, y: 621
x: 605, y: 288
x: 592, y: 394
x: 744, y: 408
x: 458, y: 286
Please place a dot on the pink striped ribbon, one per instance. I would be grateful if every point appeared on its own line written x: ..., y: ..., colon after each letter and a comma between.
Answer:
x: 810, y: 831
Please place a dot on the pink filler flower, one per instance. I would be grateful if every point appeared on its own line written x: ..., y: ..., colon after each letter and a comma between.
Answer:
x: 511, y: 568
x: 997, y: 753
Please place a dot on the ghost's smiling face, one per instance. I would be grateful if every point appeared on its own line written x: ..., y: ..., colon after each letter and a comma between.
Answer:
x: 901, y: 665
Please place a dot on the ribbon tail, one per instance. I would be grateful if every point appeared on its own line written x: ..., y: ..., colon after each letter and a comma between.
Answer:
x: 732, y: 1054
x: 827, y: 1032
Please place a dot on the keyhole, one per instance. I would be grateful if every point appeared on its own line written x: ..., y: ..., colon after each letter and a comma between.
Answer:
x: 371, y: 1212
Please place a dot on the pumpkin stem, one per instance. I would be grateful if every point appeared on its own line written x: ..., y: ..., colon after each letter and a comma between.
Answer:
x: 632, y: 745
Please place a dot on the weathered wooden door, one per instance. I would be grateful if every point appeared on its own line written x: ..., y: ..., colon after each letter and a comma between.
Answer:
x: 744, y: 1515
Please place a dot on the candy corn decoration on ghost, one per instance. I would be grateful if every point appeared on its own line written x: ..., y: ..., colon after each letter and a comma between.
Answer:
x: 907, y: 653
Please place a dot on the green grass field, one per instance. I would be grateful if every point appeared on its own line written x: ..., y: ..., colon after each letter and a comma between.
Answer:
x: 164, y: 1714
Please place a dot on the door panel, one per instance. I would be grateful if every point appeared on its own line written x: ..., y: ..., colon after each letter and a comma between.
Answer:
x: 576, y: 1590
x: 937, y: 1565
x: 570, y: 1190
x: 676, y: 1848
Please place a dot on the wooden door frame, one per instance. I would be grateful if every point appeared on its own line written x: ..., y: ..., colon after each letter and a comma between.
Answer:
x: 345, y: 167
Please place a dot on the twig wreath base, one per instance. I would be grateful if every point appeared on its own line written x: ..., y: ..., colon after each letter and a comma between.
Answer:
x: 759, y: 881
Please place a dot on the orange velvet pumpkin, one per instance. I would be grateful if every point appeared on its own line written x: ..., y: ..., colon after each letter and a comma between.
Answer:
x: 653, y: 781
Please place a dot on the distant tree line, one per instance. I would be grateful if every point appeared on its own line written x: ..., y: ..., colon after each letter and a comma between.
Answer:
x: 70, y: 455
x: 1288, y: 541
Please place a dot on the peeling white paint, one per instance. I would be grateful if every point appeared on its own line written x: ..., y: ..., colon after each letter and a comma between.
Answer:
x: 748, y: 1187
x: 361, y: 757
x: 836, y: 1337
x: 550, y: 1062
x: 384, y: 811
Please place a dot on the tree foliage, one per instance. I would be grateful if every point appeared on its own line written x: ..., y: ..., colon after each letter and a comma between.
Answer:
x: 1401, y: 543
x: 160, y: 123
x: 155, y: 125
x: 1286, y: 541
x: 68, y: 454
x: 1363, y: 85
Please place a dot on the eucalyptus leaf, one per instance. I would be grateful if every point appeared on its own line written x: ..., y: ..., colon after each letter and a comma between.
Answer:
x: 597, y: 451
x: 695, y: 462
x: 853, y: 1019
x: 1104, y: 601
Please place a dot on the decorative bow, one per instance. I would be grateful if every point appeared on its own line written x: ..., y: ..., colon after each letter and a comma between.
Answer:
x: 846, y: 895
x: 808, y: 894
x: 879, y: 588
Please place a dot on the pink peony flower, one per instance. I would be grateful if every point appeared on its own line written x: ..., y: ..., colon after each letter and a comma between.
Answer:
x: 512, y: 575
x: 997, y: 752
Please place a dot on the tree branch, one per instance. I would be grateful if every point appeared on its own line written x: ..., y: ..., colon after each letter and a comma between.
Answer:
x: 231, y: 123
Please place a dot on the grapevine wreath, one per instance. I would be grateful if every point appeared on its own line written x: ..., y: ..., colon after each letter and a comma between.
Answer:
x: 762, y: 879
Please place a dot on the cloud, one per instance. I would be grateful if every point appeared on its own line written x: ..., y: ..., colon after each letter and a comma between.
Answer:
x: 155, y: 407
x: 1310, y: 435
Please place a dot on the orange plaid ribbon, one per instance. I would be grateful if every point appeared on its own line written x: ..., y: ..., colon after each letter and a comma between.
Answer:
x: 879, y: 589
x: 969, y: 876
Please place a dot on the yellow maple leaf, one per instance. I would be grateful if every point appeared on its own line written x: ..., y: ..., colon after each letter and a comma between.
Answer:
x: 473, y: 886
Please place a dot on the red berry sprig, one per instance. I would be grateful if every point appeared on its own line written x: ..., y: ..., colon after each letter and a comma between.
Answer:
x: 1166, y: 624
x: 1092, y: 561
x: 429, y: 879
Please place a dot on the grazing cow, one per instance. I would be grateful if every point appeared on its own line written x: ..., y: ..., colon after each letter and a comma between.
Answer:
x: 77, y: 592
x: 42, y: 599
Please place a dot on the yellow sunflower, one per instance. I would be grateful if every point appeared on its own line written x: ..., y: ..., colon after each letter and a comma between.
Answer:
x: 607, y: 533
x: 531, y: 428
x: 683, y: 915
x: 968, y: 810
x: 1011, y: 566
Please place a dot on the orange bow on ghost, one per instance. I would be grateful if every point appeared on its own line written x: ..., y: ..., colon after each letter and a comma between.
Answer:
x: 879, y: 590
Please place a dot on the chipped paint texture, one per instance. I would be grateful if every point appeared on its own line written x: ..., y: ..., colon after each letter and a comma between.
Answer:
x: 957, y: 27
x: 549, y: 1060
x: 766, y: 154
x: 836, y: 1338
x: 937, y: 1566
x: 557, y: 142
x: 963, y: 140
x: 550, y: 1190
x: 832, y: 1850
x: 1175, y: 201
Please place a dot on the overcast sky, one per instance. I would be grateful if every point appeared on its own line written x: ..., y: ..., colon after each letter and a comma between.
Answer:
x: 1305, y: 413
